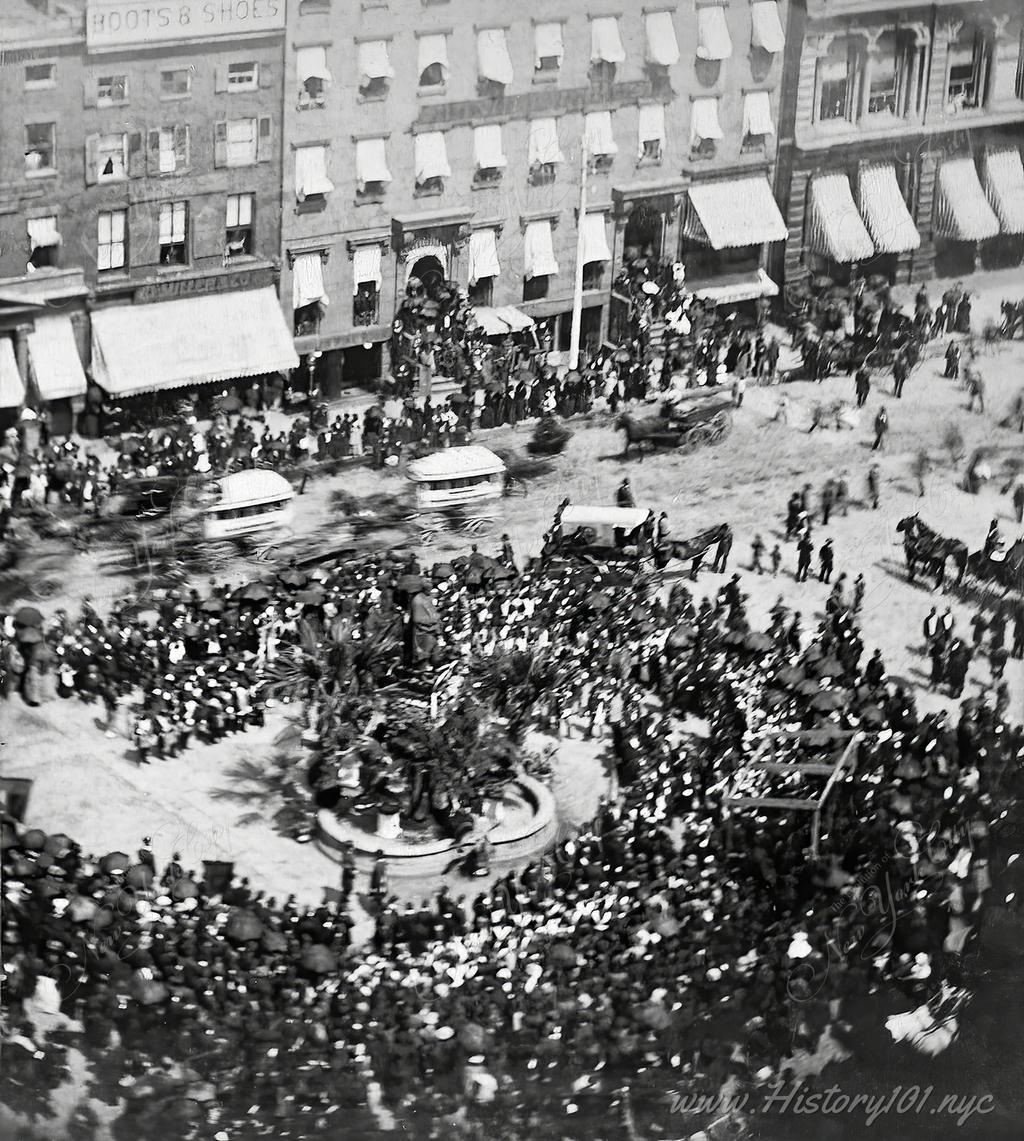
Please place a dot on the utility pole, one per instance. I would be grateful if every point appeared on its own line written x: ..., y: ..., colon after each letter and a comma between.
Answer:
x: 577, y: 293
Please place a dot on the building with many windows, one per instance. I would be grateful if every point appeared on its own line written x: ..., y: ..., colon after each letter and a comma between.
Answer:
x: 902, y: 129
x: 444, y: 139
x: 140, y: 166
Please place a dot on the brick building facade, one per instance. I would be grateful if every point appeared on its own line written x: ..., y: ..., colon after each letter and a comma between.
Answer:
x: 443, y: 137
x: 902, y: 130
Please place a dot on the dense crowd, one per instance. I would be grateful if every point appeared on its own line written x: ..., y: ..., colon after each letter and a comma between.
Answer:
x: 671, y: 936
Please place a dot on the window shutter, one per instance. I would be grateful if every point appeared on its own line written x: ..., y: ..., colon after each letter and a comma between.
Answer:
x: 264, y: 139
x: 265, y: 74
x: 220, y: 143
x: 208, y: 230
x: 136, y: 155
x: 89, y: 91
x: 153, y: 153
x: 92, y: 158
x: 144, y: 249
x: 220, y: 78
x: 182, y: 150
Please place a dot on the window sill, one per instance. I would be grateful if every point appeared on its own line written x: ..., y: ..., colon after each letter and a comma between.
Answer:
x: 43, y: 85
x: 488, y: 184
x: 311, y: 106
x: 177, y: 267
x: 242, y: 88
x: 102, y: 103
x: 311, y: 206
x: 430, y: 92
x: 175, y: 98
x: 381, y: 98
x: 43, y: 172
x: 110, y: 179
x: 546, y: 76
x: 428, y: 192
x: 644, y: 163
x: 370, y: 199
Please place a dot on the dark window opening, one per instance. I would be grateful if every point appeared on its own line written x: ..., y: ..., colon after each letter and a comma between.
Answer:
x: 536, y: 288
x: 365, y: 304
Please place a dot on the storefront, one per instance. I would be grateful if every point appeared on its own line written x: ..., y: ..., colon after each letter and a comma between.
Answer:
x: 12, y: 387
x: 964, y: 217
x: 214, y: 346
x: 55, y: 371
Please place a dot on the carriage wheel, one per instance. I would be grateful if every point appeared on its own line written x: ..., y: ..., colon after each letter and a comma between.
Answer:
x: 45, y: 588
x: 721, y: 426
x: 697, y: 437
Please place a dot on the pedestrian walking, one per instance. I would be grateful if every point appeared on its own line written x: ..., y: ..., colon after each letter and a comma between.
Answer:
x: 805, y: 552
x: 997, y: 663
x: 348, y: 871
x: 952, y: 361
x: 1018, y: 632
x: 379, y: 878
x: 881, y: 428
x: 624, y: 496
x: 930, y: 628
x: 843, y: 494
x: 1018, y: 501
x: 873, y: 486
x: 776, y: 557
x: 826, y: 558
x: 756, y: 552
x: 828, y: 499
x: 722, y: 552
x: 739, y: 386
x: 900, y: 372
x: 976, y: 388
x: 792, y: 514
x: 857, y: 598
x: 862, y: 384
x: 979, y: 626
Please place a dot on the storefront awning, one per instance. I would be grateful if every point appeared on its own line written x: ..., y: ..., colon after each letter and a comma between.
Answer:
x: 12, y: 387
x: 731, y: 288
x: 53, y: 357
x: 1004, y: 184
x: 488, y: 320
x: 885, y: 212
x: 835, y: 228
x: 739, y: 212
x: 962, y: 211
x: 199, y: 340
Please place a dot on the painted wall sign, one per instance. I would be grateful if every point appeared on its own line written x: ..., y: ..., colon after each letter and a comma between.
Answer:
x: 194, y: 286
x: 138, y: 23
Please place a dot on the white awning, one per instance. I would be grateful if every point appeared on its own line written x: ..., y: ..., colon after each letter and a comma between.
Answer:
x: 738, y: 212
x: 543, y: 145
x: 308, y: 280
x: 374, y: 62
x: 595, y: 238
x: 834, y: 226
x: 311, y: 172
x: 713, y: 40
x: 538, y: 250
x: 597, y: 133
x: 732, y: 288
x: 662, y: 46
x: 516, y: 320
x: 605, y: 42
x: 757, y: 114
x: 43, y: 233
x: 493, y: 60
x: 367, y: 265
x: 311, y: 63
x: 884, y: 210
x: 12, y: 387
x: 488, y: 320
x: 547, y: 42
x: 487, y: 148
x: 483, y: 255
x: 371, y: 162
x: 431, y: 156
x: 53, y: 356
x: 650, y: 125
x: 198, y: 340
x: 766, y: 26
x: 1004, y: 184
x: 704, y: 120
x: 432, y: 49
x: 962, y: 211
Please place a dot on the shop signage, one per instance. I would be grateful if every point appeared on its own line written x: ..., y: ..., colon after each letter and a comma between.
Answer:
x: 176, y: 287
x: 143, y: 23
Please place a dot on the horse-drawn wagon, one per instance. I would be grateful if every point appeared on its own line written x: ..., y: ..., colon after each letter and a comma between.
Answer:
x: 688, y: 426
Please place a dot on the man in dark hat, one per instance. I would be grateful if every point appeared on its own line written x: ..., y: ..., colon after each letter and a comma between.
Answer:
x: 624, y: 496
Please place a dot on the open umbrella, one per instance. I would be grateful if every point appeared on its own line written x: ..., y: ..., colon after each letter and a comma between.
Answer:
x: 472, y: 1037
x: 34, y: 840
x: 410, y: 583
x: 212, y: 606
x: 274, y: 941
x: 828, y: 666
x: 682, y: 635
x: 758, y: 641
x: 807, y: 687
x: 190, y: 630
x: 242, y: 926
x: 310, y: 597
x: 184, y: 889
x: 563, y: 955
x: 443, y: 570
x: 149, y: 992
x: 229, y: 403
x: 654, y: 1016
x: 82, y: 909
x: 827, y: 701
x: 140, y: 876
x: 790, y: 676
x: 458, y: 398
x: 598, y: 600
x: 28, y: 635
x: 773, y: 698
x: 293, y: 577
x: 58, y: 844
x: 27, y: 616
x: 871, y: 716
x: 319, y: 959
x: 256, y: 592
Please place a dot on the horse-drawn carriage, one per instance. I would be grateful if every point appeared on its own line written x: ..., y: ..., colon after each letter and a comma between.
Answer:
x: 688, y: 426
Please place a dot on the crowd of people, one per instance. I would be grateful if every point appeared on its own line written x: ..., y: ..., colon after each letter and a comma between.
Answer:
x: 674, y: 938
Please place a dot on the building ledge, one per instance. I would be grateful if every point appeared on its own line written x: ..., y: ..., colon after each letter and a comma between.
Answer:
x: 42, y: 286
x: 813, y: 139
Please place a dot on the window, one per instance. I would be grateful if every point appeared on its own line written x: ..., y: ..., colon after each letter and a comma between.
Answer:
x: 238, y: 239
x: 172, y: 149
x: 600, y: 140
x: 548, y: 48
x: 243, y: 76
x: 536, y: 288
x: 705, y: 130
x: 481, y: 292
x: 489, y: 153
x: 177, y: 83
x: 40, y: 148
x: 174, y: 233
x: 836, y: 81
x: 494, y: 64
x: 240, y: 142
x: 1018, y: 82
x: 111, y: 89
x: 433, y: 61
x: 968, y: 72
x: 112, y: 240
x: 44, y: 241
x: 543, y: 151
x: 372, y: 174
x: 593, y: 274
x: 313, y: 76
x: 307, y: 319
x: 111, y: 157
x: 40, y: 75
x: 312, y: 184
x: 431, y: 162
x: 882, y: 87
x: 606, y: 49
x: 367, y: 276
x: 365, y: 304
x: 757, y: 120
x: 375, y: 70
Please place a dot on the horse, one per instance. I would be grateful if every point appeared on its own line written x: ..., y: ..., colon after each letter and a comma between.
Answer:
x: 923, y: 545
x: 640, y: 432
x: 1013, y: 315
x: 692, y: 548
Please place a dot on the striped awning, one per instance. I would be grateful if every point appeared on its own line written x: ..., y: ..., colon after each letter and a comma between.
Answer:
x: 737, y: 212
x: 1004, y: 184
x: 53, y: 357
x: 198, y: 340
x: 12, y: 387
x: 834, y: 227
x: 962, y: 211
x: 885, y: 212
